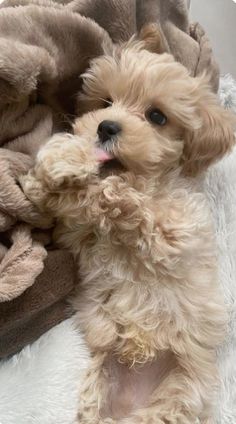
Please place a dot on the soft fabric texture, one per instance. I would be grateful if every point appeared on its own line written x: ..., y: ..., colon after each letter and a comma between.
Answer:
x: 44, y: 304
x: 44, y: 47
x: 220, y: 188
x: 40, y: 385
x: 188, y: 44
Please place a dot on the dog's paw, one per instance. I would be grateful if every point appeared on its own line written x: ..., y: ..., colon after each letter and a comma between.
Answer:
x: 66, y: 160
x: 35, y: 193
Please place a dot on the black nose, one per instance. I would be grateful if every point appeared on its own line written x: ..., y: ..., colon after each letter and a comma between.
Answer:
x: 107, y: 129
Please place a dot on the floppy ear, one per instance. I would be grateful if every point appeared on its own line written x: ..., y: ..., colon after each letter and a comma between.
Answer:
x: 215, y: 136
x: 153, y: 38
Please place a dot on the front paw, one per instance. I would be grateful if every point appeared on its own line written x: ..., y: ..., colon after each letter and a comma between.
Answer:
x: 66, y: 160
x: 35, y: 193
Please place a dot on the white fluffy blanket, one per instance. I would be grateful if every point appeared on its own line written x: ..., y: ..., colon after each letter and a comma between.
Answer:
x: 220, y: 188
x: 40, y: 384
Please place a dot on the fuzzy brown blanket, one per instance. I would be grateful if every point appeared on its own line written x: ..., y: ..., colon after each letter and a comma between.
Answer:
x: 44, y: 48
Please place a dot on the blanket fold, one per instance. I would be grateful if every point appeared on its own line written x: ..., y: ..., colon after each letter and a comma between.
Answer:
x: 41, y: 306
x: 21, y: 264
x: 45, y: 46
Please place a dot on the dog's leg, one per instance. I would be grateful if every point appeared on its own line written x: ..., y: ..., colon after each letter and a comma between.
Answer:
x: 93, y: 392
x: 65, y: 161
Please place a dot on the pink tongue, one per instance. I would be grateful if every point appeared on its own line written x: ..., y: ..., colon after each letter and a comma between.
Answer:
x: 103, y: 156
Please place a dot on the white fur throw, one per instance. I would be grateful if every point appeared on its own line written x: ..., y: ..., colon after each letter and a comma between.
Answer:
x: 40, y: 384
x: 220, y: 187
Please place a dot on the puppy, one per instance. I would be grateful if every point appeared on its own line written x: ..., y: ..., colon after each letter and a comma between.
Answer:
x: 126, y: 204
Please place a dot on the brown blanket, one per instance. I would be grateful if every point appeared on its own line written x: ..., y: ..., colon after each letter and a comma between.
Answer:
x: 44, y: 47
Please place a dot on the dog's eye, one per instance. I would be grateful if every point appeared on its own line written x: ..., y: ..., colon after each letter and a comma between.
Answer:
x: 156, y: 116
x: 107, y: 102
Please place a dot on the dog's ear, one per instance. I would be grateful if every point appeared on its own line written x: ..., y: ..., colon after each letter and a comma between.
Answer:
x: 214, y: 136
x: 153, y: 39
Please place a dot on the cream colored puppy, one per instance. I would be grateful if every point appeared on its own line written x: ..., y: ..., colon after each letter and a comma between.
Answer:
x: 149, y: 302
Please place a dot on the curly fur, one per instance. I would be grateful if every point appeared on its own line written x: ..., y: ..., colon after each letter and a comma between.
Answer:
x: 149, y: 301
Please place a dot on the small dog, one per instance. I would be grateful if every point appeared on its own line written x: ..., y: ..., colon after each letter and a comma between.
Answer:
x: 126, y: 204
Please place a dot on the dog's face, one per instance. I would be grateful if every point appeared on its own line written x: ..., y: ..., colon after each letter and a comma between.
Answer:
x: 144, y: 110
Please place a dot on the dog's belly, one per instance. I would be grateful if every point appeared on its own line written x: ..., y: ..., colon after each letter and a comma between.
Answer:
x: 129, y: 389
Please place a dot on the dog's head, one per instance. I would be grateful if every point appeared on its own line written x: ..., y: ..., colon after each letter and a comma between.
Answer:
x: 147, y: 113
